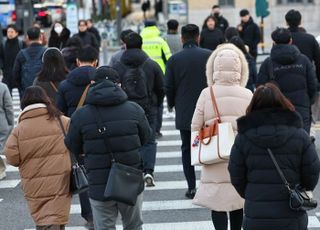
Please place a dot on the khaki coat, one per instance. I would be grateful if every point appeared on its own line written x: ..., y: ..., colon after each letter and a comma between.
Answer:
x: 227, y: 74
x: 37, y: 147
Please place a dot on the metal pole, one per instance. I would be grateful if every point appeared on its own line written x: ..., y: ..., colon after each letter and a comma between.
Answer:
x: 27, y: 15
x: 119, y: 19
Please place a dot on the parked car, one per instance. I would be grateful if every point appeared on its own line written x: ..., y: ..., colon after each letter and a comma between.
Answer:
x: 42, y: 14
x: 57, y: 12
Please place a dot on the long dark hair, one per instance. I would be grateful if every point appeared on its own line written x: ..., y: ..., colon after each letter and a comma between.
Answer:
x: 54, y: 67
x: 238, y: 42
x: 204, y: 26
x: 35, y: 95
x: 269, y: 96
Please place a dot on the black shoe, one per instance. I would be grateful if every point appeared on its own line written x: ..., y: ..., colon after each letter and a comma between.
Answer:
x: 149, y: 180
x: 313, y: 139
x: 158, y: 135
x: 191, y: 193
x: 89, y: 225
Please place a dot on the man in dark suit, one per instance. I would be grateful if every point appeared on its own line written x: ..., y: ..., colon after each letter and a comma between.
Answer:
x: 185, y: 79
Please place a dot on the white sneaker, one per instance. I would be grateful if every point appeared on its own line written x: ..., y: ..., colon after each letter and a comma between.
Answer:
x: 148, y: 178
x: 3, y: 175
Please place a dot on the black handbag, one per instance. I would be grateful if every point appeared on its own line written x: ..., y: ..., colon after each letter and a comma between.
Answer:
x: 78, y: 177
x: 299, y: 200
x: 125, y: 183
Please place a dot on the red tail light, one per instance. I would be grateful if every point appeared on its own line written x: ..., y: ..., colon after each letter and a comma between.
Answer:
x: 42, y: 14
x: 58, y: 11
x: 14, y: 16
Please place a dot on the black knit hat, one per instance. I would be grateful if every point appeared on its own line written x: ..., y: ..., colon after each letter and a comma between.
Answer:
x: 106, y: 73
x: 244, y: 12
x: 281, y: 36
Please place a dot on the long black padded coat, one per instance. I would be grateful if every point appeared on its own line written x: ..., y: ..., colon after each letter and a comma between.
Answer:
x: 255, y: 177
x: 294, y: 75
x: 126, y: 126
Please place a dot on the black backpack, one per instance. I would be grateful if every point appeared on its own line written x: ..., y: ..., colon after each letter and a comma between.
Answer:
x: 134, y: 83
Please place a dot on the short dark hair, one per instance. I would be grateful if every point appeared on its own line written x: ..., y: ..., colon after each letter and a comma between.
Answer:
x: 90, y: 20
x: 124, y: 33
x: 230, y: 33
x: 173, y: 24
x: 281, y: 36
x: 74, y: 41
x: 238, y: 42
x: 293, y: 18
x: 244, y: 12
x: 88, y: 54
x: 82, y: 21
x: 34, y: 95
x: 269, y: 96
x: 133, y: 41
x: 12, y: 26
x: 33, y: 33
x: 190, y: 32
x: 215, y: 6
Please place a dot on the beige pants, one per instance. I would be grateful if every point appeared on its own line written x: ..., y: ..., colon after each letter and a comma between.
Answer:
x: 50, y: 227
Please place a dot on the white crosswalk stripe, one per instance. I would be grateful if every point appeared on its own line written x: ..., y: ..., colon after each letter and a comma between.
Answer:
x: 159, y: 201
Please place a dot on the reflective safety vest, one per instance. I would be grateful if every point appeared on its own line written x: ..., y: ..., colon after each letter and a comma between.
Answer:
x: 155, y: 46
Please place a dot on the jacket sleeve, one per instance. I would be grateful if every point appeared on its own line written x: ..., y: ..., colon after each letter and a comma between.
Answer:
x: 310, y: 167
x: 316, y: 59
x: 143, y: 126
x: 263, y: 75
x: 95, y: 42
x: 256, y: 35
x: 311, y: 80
x: 17, y: 67
x: 73, y: 140
x: 12, y: 149
x: 169, y: 84
x: 158, y: 84
x: 237, y: 168
x: 166, y: 50
x: 1, y: 56
x: 253, y: 71
x: 8, y: 107
x: 198, y: 115
x: 61, y: 101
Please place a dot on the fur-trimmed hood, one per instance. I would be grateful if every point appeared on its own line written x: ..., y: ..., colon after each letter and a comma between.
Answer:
x: 227, y: 65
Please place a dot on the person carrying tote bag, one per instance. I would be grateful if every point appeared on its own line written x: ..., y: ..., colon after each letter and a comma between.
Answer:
x: 227, y: 75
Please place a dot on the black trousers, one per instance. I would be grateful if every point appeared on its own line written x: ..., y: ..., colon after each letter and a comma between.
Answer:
x: 220, y: 220
x: 188, y: 169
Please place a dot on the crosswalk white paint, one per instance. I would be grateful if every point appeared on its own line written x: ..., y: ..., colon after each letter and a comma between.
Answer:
x: 170, y: 132
x: 168, y: 123
x: 168, y: 185
x: 163, y: 155
x: 169, y: 143
x: 171, y: 168
x: 9, y: 183
x: 153, y: 206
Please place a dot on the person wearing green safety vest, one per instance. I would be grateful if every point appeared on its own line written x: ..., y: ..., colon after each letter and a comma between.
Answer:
x: 154, y: 45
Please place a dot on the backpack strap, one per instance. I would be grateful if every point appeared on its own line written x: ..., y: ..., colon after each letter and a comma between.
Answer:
x: 54, y: 86
x: 83, y: 97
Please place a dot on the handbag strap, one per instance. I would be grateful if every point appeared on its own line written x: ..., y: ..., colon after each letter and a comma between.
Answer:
x: 103, y: 131
x: 54, y: 86
x: 283, y: 178
x: 72, y: 157
x: 83, y: 97
x: 214, y: 104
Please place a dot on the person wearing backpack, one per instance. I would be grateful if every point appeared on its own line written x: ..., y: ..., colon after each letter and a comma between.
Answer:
x: 142, y: 80
x: 292, y: 72
x: 8, y: 52
x: 28, y: 62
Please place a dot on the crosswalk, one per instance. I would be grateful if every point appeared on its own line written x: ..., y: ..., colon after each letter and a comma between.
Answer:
x: 165, y: 206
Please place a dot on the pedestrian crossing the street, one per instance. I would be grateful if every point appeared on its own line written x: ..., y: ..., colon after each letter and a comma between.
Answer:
x: 165, y: 206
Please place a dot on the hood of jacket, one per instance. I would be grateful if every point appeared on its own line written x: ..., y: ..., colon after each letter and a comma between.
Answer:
x: 227, y: 65
x: 150, y: 32
x: 133, y: 57
x: 106, y: 93
x: 284, y: 54
x: 269, y: 128
x: 81, y: 76
x: 31, y: 111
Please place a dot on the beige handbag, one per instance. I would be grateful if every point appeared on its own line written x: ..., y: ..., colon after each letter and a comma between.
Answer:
x: 213, y: 143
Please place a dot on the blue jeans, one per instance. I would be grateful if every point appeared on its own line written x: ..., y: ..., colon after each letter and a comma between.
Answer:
x: 159, y: 118
x: 149, y: 150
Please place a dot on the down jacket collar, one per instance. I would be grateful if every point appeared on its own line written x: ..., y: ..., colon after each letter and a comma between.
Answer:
x: 81, y: 76
x: 227, y: 65
x: 106, y: 93
x: 269, y: 128
x: 34, y: 110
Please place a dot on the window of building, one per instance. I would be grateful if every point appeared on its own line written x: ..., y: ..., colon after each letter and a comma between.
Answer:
x: 294, y: 1
x: 226, y: 2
